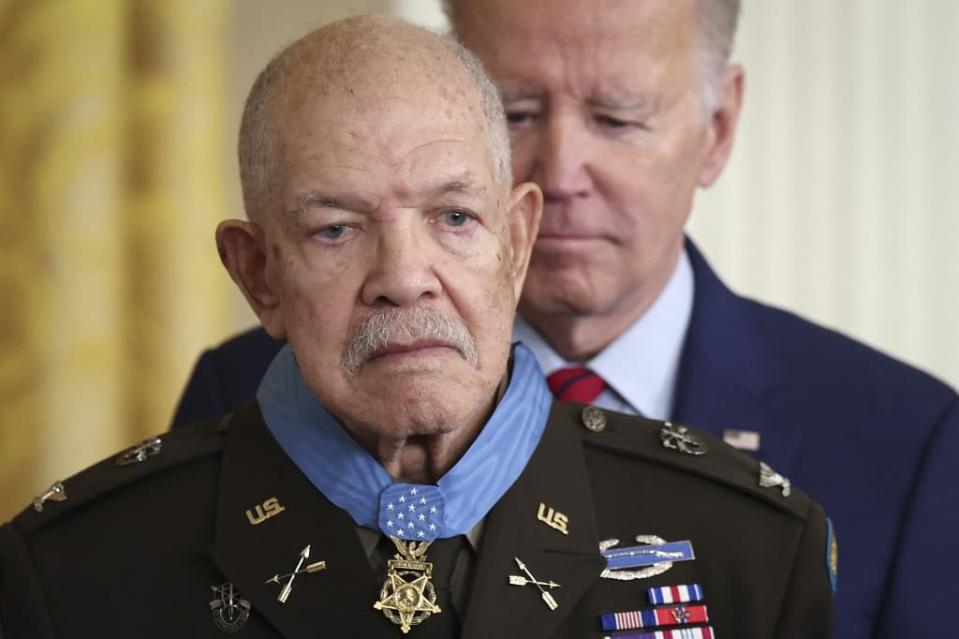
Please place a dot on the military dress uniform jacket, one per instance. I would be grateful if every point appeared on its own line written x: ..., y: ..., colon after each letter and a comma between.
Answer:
x: 134, y: 550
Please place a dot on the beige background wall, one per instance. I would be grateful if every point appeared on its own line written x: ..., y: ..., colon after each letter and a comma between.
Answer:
x: 842, y: 200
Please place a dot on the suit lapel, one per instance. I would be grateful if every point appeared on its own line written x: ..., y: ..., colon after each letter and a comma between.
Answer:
x: 556, y: 477
x: 727, y: 370
x: 338, y: 600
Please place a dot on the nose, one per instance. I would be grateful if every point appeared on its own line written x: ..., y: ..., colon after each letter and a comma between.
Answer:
x: 403, y: 267
x: 560, y: 165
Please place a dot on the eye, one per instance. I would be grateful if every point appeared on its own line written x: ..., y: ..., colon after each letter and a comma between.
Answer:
x: 522, y: 113
x: 611, y: 122
x: 518, y: 117
x: 333, y: 232
x: 455, y: 218
x: 616, y: 125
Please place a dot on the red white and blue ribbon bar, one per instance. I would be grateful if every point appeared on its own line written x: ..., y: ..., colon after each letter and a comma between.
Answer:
x: 683, y: 593
x: 647, y: 555
x: 681, y: 633
x: 650, y: 617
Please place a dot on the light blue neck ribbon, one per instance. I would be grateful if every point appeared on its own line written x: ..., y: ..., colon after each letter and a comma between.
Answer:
x: 350, y: 478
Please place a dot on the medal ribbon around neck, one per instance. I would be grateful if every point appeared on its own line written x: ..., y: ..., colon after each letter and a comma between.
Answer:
x: 353, y: 480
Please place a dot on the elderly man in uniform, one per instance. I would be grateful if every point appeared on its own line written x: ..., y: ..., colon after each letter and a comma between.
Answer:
x: 404, y: 469
x: 619, y: 110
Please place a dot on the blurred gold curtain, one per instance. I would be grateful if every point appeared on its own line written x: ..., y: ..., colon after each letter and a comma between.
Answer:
x: 110, y: 188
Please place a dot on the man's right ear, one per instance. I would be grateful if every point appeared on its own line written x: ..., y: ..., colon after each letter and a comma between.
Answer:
x: 242, y: 248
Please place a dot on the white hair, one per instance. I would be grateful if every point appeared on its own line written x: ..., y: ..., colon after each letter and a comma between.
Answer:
x: 716, y: 27
x: 717, y: 21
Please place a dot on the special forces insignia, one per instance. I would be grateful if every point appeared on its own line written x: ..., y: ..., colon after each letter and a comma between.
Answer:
x: 230, y: 611
x: 408, y: 596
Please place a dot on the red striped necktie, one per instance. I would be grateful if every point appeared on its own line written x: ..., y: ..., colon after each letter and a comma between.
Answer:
x: 575, y: 384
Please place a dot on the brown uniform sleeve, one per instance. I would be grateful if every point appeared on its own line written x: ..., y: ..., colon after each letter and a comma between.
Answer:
x: 23, y: 611
x: 807, y: 608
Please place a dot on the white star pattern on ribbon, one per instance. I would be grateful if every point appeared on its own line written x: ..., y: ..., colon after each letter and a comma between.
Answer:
x: 419, y: 515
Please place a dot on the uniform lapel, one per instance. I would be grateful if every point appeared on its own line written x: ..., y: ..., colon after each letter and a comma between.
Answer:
x: 335, y: 602
x: 555, y: 477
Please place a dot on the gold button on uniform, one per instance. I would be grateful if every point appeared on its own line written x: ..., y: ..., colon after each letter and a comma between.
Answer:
x: 594, y: 419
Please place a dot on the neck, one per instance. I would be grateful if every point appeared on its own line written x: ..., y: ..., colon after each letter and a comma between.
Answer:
x: 577, y: 337
x: 423, y: 458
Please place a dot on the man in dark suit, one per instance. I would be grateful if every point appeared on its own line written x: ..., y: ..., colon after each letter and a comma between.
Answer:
x: 403, y: 468
x: 619, y: 111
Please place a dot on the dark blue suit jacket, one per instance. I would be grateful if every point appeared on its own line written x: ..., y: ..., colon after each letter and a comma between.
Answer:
x: 874, y: 441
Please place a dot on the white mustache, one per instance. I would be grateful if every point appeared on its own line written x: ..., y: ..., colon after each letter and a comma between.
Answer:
x: 383, y: 328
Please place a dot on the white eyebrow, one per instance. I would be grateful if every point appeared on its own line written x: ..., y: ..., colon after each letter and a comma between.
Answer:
x: 624, y: 103
x: 515, y: 95
x: 315, y: 198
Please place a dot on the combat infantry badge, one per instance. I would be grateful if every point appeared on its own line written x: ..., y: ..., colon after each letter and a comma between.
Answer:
x: 230, y: 611
x: 653, y: 557
x: 408, y: 596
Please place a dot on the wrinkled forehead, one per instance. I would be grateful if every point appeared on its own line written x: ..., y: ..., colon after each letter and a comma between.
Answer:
x: 396, y: 139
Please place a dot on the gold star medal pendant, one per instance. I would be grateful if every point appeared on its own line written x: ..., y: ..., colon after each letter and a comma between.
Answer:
x: 410, y: 515
x: 407, y: 597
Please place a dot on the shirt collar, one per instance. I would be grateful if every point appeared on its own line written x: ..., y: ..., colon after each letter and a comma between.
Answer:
x: 353, y: 480
x: 642, y: 364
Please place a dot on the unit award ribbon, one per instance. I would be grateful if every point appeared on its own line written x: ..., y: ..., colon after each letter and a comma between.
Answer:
x: 410, y: 512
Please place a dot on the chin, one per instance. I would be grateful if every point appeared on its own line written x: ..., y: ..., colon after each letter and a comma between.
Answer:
x: 420, y: 404
x: 560, y: 300
x: 421, y: 415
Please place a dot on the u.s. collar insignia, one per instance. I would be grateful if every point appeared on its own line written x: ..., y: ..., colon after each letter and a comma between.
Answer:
x: 769, y: 478
x: 677, y: 437
x: 140, y: 452
x: 230, y: 611
x: 654, y: 557
x: 553, y: 518
x: 261, y: 512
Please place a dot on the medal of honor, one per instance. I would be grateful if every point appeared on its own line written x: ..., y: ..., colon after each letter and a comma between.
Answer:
x: 408, y: 596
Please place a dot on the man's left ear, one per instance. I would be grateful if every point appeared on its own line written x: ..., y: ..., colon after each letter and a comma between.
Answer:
x: 722, y: 124
x: 523, y: 212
